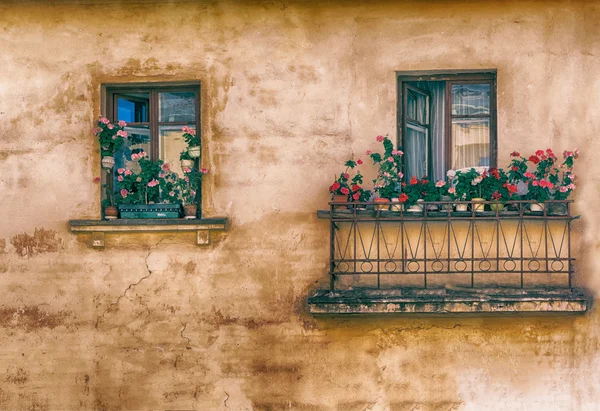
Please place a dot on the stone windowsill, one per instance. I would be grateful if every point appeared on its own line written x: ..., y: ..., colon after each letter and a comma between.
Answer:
x: 98, y: 228
x: 448, y: 301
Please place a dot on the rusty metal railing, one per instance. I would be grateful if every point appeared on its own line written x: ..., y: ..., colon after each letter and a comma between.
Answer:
x: 441, y: 247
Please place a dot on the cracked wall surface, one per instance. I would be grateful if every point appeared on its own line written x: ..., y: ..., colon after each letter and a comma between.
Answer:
x: 289, y: 92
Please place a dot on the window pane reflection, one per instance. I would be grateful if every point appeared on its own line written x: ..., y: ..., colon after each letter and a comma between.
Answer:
x: 471, y: 145
x: 415, y: 148
x: 133, y: 108
x: 177, y: 107
x: 470, y: 99
x: 172, y: 144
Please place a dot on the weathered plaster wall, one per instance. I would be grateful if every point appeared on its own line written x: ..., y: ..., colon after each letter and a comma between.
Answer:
x: 290, y: 90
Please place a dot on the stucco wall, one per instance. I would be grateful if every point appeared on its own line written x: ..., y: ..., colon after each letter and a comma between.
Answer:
x: 289, y: 91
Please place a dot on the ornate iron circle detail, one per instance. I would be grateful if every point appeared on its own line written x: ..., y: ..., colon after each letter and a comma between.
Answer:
x: 437, y: 266
x: 390, y: 264
x: 343, y: 267
x: 366, y: 263
x: 485, y: 265
x: 409, y: 266
x: 535, y: 263
x: 463, y: 265
x: 562, y: 265
x: 514, y: 265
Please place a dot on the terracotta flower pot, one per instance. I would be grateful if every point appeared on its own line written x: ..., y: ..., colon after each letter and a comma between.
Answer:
x: 381, y: 204
x: 111, y: 212
x: 108, y: 162
x: 190, y: 211
x: 340, y: 198
x: 194, y: 151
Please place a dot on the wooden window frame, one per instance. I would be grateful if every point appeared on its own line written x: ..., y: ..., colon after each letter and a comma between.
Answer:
x: 488, y: 76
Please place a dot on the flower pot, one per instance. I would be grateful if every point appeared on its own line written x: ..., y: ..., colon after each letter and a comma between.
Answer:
x: 416, y: 208
x: 461, y: 207
x: 108, y: 162
x: 479, y: 208
x: 396, y: 205
x: 187, y: 164
x: 497, y: 207
x: 189, y: 211
x: 381, y: 204
x: 194, y: 151
x: 111, y: 213
x: 536, y: 207
x: 340, y: 198
x: 446, y: 207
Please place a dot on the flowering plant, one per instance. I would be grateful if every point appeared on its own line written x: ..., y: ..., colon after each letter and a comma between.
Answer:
x: 468, y: 184
x: 185, y: 155
x: 190, y: 136
x: 340, y: 186
x: 188, y: 185
x: 390, y: 168
x: 564, y: 186
x: 496, y: 186
x: 359, y: 193
x: 418, y: 189
x: 110, y: 136
x: 445, y: 189
x: 143, y: 187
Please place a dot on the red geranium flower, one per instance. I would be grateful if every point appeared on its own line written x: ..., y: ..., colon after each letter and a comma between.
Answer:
x: 380, y: 138
x: 413, y: 181
x: 514, y: 168
x: 356, y: 196
x: 346, y: 176
x: 345, y: 190
x: 403, y: 197
x: 534, y: 159
x: 359, y: 161
x: 355, y: 187
x: 539, y: 153
x: 515, y: 154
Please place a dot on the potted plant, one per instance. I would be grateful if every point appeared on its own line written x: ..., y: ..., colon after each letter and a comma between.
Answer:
x: 188, y: 187
x: 186, y: 160
x: 111, y: 138
x: 340, y: 189
x: 359, y: 194
x: 564, y: 182
x: 109, y: 210
x: 389, y: 174
x: 446, y: 193
x: 468, y: 187
x: 539, y: 184
x: 413, y: 194
x: 140, y: 192
x: 193, y: 142
x: 496, y: 187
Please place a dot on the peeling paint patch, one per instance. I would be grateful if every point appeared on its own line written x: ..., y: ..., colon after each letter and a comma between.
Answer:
x: 29, y: 318
x: 42, y: 241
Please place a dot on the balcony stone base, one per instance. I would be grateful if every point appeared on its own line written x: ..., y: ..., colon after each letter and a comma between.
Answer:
x: 448, y: 301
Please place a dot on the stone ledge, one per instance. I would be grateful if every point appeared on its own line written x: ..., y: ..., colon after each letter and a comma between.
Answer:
x: 448, y: 302
x: 98, y: 228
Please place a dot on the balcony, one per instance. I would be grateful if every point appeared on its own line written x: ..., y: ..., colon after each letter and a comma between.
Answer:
x: 442, y: 261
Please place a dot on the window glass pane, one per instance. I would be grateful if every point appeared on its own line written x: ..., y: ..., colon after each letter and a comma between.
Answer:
x: 417, y: 107
x: 177, y: 107
x: 415, y: 149
x: 470, y: 99
x: 172, y: 144
x: 137, y: 141
x: 471, y: 145
x: 133, y: 107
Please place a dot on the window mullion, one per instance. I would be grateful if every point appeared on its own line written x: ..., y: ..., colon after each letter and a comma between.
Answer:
x: 154, y: 144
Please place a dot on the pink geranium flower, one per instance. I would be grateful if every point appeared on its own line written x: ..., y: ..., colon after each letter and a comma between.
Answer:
x: 124, y: 193
x: 120, y: 178
x: 122, y: 133
x: 172, y: 193
x: 400, y: 174
x: 204, y: 170
x: 110, y: 126
x: 380, y: 138
x: 390, y: 159
x: 128, y: 172
x: 121, y: 170
x: 153, y: 183
x: 104, y: 120
x: 165, y: 166
x: 564, y: 189
x: 452, y: 190
x: 571, y: 186
x: 369, y: 152
x: 440, y: 183
x: 186, y: 169
x: 97, y: 130
x: 122, y: 123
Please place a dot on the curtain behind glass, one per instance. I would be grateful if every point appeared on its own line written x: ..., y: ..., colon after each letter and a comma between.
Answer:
x: 470, y: 135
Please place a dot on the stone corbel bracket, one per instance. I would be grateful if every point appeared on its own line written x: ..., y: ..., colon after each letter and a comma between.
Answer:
x: 99, y: 228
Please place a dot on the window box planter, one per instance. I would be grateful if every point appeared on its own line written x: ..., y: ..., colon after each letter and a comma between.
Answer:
x: 135, y: 211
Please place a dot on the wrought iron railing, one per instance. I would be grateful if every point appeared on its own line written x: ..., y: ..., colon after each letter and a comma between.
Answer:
x: 441, y: 247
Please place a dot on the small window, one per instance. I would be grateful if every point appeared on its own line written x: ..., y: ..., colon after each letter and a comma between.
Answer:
x: 446, y: 121
x: 155, y: 116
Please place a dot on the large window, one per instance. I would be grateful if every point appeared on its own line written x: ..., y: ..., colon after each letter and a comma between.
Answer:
x: 155, y: 116
x: 446, y: 121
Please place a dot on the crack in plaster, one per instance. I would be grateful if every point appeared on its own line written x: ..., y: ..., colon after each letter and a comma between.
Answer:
x: 183, y: 336
x: 225, y: 401
x: 130, y: 286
